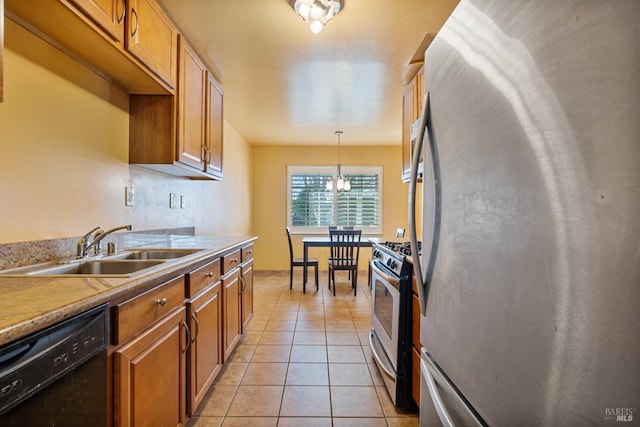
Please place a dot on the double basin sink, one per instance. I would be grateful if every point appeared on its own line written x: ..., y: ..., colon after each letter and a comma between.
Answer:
x: 124, y: 264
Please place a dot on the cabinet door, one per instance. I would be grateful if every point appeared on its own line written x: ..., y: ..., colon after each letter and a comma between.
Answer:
x: 108, y: 14
x: 214, y: 130
x: 420, y: 99
x: 192, y: 75
x: 415, y: 375
x: 150, y: 375
x: 152, y: 38
x: 205, y: 352
x: 246, y: 295
x: 408, y: 108
x: 231, y: 311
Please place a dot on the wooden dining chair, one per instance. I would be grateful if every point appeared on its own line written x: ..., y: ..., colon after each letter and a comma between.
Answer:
x: 344, y: 254
x: 299, y: 262
x: 342, y: 227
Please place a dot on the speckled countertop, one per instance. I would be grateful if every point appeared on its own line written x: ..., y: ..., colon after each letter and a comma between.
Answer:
x: 30, y: 303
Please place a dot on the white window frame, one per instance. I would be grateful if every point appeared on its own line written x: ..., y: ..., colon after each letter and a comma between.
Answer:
x: 331, y: 170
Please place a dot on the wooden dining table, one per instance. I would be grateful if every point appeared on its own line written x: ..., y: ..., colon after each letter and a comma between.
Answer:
x: 325, y: 242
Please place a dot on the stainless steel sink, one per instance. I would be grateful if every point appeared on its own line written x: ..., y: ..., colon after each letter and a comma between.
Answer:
x: 143, y: 254
x: 103, y: 267
x: 125, y: 264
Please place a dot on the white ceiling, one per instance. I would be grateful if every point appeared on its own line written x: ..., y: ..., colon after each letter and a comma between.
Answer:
x: 284, y: 85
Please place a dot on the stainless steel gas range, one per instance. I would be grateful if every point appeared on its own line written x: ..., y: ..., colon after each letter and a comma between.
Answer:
x: 391, y: 319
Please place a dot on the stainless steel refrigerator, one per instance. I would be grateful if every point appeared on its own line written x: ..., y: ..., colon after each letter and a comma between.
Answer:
x: 530, y: 263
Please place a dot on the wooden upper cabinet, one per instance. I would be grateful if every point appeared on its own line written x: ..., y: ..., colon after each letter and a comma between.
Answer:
x: 214, y: 128
x: 200, y: 115
x: 152, y: 38
x: 419, y: 91
x: 180, y: 135
x: 412, y: 99
x: 95, y: 32
x: 108, y: 14
x: 192, y: 78
x: 408, y: 107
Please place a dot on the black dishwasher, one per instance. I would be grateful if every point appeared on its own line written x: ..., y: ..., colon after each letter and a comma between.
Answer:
x: 57, y: 376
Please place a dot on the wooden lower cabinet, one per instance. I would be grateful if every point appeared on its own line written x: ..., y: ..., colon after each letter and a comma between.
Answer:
x: 416, y: 346
x: 150, y: 375
x: 231, y: 288
x: 246, y: 295
x: 415, y: 375
x: 205, y: 352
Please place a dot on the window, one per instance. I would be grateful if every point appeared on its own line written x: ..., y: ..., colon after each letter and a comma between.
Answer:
x: 311, y: 208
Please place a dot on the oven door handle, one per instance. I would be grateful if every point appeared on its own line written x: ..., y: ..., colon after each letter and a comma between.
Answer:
x: 382, y: 364
x: 394, y: 281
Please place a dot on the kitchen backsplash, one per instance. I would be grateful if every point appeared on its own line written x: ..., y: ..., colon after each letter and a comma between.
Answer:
x: 25, y: 253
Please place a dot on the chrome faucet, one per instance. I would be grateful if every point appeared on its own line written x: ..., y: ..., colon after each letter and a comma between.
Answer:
x: 98, y: 235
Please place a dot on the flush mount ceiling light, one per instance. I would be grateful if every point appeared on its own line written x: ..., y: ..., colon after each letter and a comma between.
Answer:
x: 317, y: 12
x: 342, y: 183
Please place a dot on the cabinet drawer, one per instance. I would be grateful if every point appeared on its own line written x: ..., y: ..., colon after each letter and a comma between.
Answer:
x: 230, y: 261
x: 140, y: 312
x: 247, y: 253
x: 198, y: 279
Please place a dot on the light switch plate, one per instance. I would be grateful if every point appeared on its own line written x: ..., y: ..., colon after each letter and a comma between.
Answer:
x: 172, y: 200
x: 129, y: 196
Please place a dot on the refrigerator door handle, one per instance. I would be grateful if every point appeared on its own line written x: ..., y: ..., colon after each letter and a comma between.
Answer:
x: 422, y: 281
x: 443, y: 414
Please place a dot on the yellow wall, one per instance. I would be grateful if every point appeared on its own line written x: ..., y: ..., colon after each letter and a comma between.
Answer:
x: 64, y: 157
x: 64, y: 165
x: 270, y: 196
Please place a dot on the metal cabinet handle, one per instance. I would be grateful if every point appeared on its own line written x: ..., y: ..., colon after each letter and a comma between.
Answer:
x: 124, y: 11
x: 205, y: 154
x: 195, y: 319
x: 209, y: 274
x: 187, y: 336
x: 162, y: 302
x: 243, y: 283
x: 135, y: 30
x: 234, y: 260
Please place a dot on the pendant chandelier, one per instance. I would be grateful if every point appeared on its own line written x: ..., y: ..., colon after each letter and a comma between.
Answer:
x: 317, y: 12
x: 341, y: 182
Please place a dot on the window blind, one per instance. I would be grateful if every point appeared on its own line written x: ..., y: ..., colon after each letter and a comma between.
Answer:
x: 359, y: 206
x: 312, y: 208
x: 311, y: 202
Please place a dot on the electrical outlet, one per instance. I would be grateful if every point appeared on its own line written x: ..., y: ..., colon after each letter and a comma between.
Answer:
x: 183, y: 202
x: 129, y: 193
x: 172, y: 200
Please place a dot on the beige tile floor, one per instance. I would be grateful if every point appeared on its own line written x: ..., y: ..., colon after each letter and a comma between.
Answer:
x: 304, y: 361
